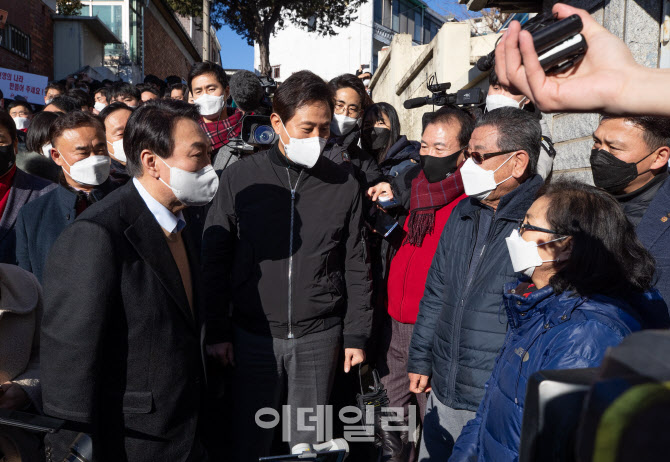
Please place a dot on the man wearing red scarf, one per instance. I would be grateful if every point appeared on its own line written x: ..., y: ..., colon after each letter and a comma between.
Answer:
x: 429, y: 192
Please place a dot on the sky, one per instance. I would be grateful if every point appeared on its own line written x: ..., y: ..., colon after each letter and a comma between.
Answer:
x: 236, y: 54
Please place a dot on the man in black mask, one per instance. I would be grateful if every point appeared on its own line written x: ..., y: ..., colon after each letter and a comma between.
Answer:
x: 427, y: 194
x: 629, y: 159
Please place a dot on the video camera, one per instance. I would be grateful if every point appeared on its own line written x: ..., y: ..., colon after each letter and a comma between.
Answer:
x: 440, y: 97
x: 558, y: 43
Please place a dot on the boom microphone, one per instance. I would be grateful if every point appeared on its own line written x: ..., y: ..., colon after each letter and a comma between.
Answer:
x: 246, y: 90
x: 416, y: 102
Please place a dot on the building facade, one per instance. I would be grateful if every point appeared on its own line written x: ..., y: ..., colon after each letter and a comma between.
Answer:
x: 377, y: 22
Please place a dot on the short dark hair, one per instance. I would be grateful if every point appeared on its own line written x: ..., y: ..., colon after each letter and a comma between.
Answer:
x: 208, y: 67
x: 376, y: 110
x: 112, y: 108
x: 16, y: 103
x: 124, y: 89
x: 83, y: 98
x: 151, y: 127
x: 150, y: 87
x: 38, y: 131
x: 353, y: 82
x: 517, y: 129
x: 7, y: 122
x: 158, y: 83
x: 607, y: 257
x: 447, y: 115
x: 72, y: 120
x: 54, y: 85
x: 178, y: 86
x: 301, y: 88
x: 2, y: 95
x: 66, y: 103
x: 102, y: 90
x: 173, y: 80
x: 656, y: 129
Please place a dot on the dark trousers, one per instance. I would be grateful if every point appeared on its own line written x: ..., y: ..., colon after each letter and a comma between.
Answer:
x: 392, y: 367
x: 266, y: 370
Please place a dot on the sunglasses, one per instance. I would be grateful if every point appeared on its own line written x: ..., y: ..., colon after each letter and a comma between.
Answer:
x: 479, y: 158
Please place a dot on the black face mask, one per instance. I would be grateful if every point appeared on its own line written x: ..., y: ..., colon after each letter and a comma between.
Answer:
x: 438, y: 168
x: 7, y: 158
x: 374, y: 139
x: 610, y: 173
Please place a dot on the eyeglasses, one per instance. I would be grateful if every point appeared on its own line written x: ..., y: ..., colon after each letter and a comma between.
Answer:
x: 350, y: 111
x: 528, y: 227
x: 479, y: 158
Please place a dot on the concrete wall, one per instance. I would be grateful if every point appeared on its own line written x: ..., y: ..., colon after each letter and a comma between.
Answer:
x: 637, y: 22
x: 404, y: 69
x: 295, y: 49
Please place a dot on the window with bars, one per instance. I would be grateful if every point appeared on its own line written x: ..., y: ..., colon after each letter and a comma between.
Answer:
x: 16, y: 41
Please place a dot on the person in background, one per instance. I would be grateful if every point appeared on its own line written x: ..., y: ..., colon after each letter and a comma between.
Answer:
x: 157, y: 83
x: 179, y: 91
x: 148, y: 92
x: 84, y: 100
x: 345, y: 131
x: 381, y: 138
x: 36, y: 158
x: 22, y: 113
x: 100, y: 96
x: 115, y: 117
x: 427, y: 193
x: 121, y: 332
x: 53, y: 90
x: 80, y: 150
x: 124, y: 93
x: 21, y: 307
x: 629, y: 160
x: 458, y: 331
x: 586, y: 284
x: 63, y: 104
x: 501, y: 96
x: 209, y: 85
x: 305, y: 293
x: 171, y: 80
x: 2, y: 100
x: 17, y: 188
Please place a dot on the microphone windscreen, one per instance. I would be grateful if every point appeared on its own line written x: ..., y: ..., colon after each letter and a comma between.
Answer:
x: 414, y: 103
x: 246, y: 90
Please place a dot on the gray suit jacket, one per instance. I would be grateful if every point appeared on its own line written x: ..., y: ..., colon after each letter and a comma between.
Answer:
x: 25, y: 188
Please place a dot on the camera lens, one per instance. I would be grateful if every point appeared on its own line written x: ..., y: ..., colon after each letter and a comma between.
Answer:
x: 264, y: 134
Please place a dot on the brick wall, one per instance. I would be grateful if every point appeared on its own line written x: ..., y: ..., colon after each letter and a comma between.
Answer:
x: 162, y: 57
x: 32, y: 17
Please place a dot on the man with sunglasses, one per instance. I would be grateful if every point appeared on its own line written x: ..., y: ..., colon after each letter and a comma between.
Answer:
x: 459, y: 329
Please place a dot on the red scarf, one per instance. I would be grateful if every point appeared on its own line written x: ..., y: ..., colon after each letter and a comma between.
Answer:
x: 222, y: 131
x: 426, y: 199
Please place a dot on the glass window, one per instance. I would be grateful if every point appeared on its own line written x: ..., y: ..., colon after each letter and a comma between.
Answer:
x: 417, y: 26
x: 386, y: 15
x: 136, y: 38
x: 111, y: 15
x: 379, y: 9
x: 426, y: 30
x: 396, y: 18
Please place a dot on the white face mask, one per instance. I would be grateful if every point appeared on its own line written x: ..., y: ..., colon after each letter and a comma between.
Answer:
x: 193, y: 188
x: 497, y: 101
x: 92, y: 171
x: 305, y: 151
x: 46, y: 150
x: 210, y: 105
x: 21, y: 122
x: 342, y: 125
x: 99, y: 106
x: 480, y: 183
x: 48, y: 101
x: 366, y: 82
x: 524, y: 254
x: 119, y: 154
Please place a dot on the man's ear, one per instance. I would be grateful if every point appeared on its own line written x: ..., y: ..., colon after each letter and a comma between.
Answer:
x: 520, y: 164
x: 148, y: 160
x: 662, y: 157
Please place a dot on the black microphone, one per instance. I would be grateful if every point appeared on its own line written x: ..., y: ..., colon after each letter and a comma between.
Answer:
x: 246, y: 90
x: 416, y: 102
x: 486, y: 62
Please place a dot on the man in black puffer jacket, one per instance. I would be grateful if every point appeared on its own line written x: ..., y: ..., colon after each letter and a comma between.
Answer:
x: 459, y: 329
x: 283, y: 246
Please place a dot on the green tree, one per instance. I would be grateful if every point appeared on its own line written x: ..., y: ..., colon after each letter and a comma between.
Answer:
x: 257, y: 20
x: 69, y: 7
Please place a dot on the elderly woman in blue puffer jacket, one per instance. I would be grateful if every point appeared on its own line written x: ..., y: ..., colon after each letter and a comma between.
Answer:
x: 587, y: 284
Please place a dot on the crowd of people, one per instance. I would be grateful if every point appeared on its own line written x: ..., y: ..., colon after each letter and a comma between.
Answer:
x: 160, y: 289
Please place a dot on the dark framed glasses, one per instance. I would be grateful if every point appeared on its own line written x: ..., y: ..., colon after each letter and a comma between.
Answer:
x: 481, y: 157
x: 528, y: 227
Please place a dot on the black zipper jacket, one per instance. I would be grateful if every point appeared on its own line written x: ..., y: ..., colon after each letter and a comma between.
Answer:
x: 283, y: 248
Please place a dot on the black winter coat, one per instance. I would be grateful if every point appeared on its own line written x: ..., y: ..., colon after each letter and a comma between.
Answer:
x: 290, y: 258
x: 344, y: 150
x: 460, y: 327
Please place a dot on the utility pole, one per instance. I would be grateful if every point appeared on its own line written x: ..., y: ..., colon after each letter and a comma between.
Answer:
x: 205, y: 30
